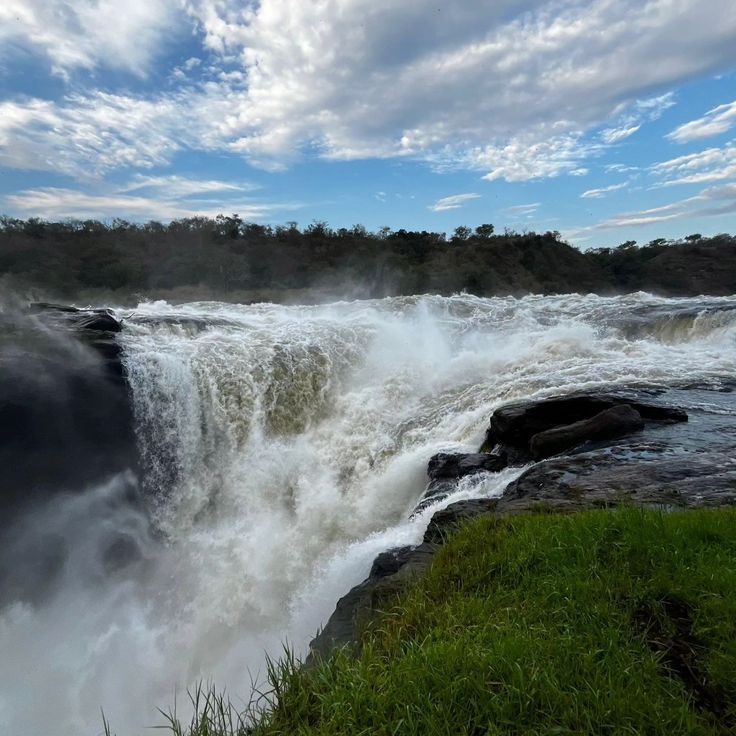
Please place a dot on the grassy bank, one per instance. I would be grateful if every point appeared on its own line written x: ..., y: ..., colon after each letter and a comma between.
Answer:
x: 605, y: 622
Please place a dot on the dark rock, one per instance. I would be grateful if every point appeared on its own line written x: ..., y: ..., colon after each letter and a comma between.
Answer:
x: 356, y: 609
x: 669, y: 463
x: 390, y: 562
x: 96, y: 328
x: 446, y: 469
x: 447, y: 465
x: 100, y: 320
x: 617, y: 421
x: 456, y: 513
x: 513, y: 426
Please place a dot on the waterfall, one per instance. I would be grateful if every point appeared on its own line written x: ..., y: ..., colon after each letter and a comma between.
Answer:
x: 282, y: 448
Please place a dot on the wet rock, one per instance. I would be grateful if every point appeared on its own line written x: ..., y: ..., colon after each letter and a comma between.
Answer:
x: 606, y: 478
x: 356, y: 609
x: 96, y: 328
x: 617, y: 421
x: 513, y: 426
x: 454, y: 514
x: 390, y: 562
x: 455, y: 465
x: 446, y: 469
x: 674, y: 460
x: 100, y: 320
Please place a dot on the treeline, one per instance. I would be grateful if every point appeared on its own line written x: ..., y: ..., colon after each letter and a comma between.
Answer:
x: 226, y: 255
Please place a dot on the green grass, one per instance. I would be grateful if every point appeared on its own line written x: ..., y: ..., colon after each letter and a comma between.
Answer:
x: 603, y: 622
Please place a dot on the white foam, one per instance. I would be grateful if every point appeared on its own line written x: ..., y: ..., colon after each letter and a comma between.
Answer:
x: 284, y: 448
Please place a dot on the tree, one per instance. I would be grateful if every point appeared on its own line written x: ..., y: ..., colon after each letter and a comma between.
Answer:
x: 462, y: 233
x: 484, y: 231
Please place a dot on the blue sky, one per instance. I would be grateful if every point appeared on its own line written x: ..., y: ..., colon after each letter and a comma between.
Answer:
x: 607, y: 120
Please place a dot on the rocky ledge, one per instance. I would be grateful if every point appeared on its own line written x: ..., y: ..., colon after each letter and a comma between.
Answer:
x: 662, y: 448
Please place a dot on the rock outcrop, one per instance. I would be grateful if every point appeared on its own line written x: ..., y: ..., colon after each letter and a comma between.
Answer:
x: 446, y: 469
x: 513, y: 426
x: 631, y: 447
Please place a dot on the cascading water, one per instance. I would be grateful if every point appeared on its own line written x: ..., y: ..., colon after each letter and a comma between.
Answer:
x: 283, y: 448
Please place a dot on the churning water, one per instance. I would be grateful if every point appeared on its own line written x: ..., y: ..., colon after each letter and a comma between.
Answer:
x: 283, y: 447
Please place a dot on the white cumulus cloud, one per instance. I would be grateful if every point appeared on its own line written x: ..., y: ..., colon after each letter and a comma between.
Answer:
x: 513, y: 89
x: 89, y: 33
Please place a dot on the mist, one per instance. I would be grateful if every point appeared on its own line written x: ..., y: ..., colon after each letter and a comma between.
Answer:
x: 273, y: 451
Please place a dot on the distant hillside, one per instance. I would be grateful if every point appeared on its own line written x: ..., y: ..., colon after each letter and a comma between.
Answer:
x: 228, y: 258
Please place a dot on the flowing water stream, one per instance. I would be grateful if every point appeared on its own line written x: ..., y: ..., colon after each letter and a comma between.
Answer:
x: 282, y: 448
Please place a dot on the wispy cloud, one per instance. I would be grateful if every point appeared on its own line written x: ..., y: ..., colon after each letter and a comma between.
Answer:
x: 710, y: 165
x: 715, y: 122
x: 620, y: 168
x: 59, y: 202
x: 85, y: 35
x: 453, y: 202
x: 711, y: 202
x: 174, y: 186
x: 602, y: 191
x: 522, y: 210
x: 614, y: 135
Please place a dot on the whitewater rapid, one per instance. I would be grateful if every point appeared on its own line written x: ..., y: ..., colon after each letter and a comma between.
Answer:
x: 282, y: 448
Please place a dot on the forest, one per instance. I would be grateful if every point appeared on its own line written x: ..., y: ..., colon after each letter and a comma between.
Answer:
x: 228, y: 258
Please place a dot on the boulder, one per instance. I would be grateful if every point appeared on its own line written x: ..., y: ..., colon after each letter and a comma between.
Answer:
x: 609, y: 424
x: 96, y: 328
x: 513, y: 426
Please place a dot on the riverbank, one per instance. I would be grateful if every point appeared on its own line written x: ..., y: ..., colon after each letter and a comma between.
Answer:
x: 608, y: 621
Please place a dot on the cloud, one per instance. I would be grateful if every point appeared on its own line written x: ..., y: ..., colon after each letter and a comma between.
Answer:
x: 598, y: 193
x: 620, y: 168
x: 180, y: 186
x: 522, y: 210
x: 712, y: 164
x: 614, y: 135
x: 646, y: 110
x: 515, y: 90
x: 711, y: 202
x: 88, y: 135
x: 453, y: 202
x: 89, y: 33
x: 170, y: 203
x: 716, y: 121
x: 532, y: 156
